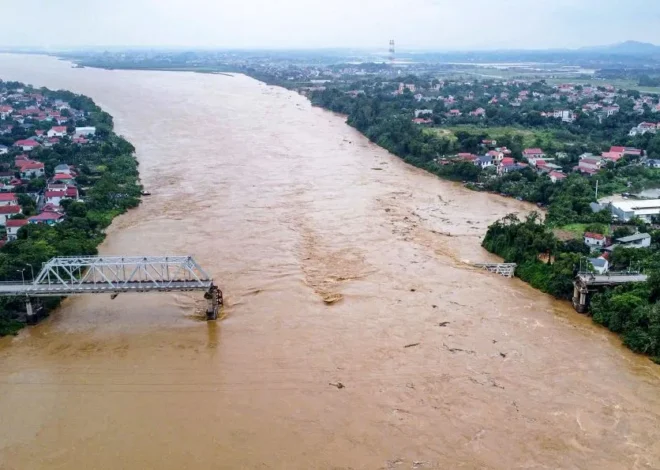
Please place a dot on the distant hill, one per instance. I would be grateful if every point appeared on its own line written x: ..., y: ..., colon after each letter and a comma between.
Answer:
x: 634, y: 48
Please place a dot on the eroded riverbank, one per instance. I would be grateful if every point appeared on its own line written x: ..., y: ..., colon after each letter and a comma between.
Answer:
x: 281, y: 203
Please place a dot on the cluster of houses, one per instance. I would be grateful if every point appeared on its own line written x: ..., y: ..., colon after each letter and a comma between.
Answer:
x: 590, y: 164
x: 33, y: 112
x: 644, y: 128
x: 500, y: 159
x: 601, y: 102
x: 605, y: 245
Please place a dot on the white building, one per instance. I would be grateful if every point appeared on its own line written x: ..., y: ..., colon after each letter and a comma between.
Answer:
x: 423, y: 111
x: 638, y: 240
x: 57, y: 131
x: 63, y: 168
x: 13, y: 226
x: 594, y: 239
x: 31, y: 170
x: 8, y: 199
x: 644, y: 209
x: 85, y: 131
x: 9, y: 211
x: 4, y: 149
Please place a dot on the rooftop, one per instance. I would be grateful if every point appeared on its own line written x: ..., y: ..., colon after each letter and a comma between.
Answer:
x: 634, y: 238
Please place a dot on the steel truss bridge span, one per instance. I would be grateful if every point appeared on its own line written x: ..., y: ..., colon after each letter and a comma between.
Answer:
x: 78, y: 275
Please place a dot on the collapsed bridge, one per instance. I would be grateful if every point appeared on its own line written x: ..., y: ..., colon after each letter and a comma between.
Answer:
x: 78, y: 275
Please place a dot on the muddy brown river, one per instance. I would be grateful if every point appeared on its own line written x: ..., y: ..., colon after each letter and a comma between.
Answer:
x: 285, y: 205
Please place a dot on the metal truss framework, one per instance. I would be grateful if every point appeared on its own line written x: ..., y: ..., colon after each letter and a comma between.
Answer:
x: 113, y: 274
x: 78, y: 275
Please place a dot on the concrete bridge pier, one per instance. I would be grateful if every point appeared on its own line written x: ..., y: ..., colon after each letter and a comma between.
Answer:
x: 31, y: 317
x: 214, y: 302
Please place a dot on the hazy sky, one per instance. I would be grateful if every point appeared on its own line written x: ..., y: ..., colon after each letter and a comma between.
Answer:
x: 434, y: 24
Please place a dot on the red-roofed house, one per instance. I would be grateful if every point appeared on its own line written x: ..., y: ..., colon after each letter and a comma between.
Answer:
x: 533, y: 153
x: 454, y: 113
x: 62, y: 178
x: 57, y: 131
x: 52, y: 208
x: 590, y: 165
x: 9, y: 211
x: 612, y: 156
x: 594, y: 239
x: 5, y: 111
x: 556, y: 176
x: 80, y: 140
x: 467, y: 157
x: 49, y: 218
x: 8, y: 199
x: 31, y: 170
x: 479, y: 112
x: 27, y: 144
x: 52, y: 141
x: 13, y: 226
x: 632, y: 151
x: 71, y: 193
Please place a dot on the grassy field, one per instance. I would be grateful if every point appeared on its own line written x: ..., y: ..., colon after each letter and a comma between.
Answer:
x: 625, y: 84
x: 578, y: 229
x: 529, y: 135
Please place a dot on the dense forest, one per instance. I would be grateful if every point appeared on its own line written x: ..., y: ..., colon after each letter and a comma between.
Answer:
x: 108, y: 182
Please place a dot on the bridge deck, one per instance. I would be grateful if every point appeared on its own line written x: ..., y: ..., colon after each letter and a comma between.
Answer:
x: 54, y: 290
x: 610, y: 280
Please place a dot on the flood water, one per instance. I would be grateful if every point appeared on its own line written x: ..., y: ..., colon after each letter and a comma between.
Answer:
x: 285, y: 205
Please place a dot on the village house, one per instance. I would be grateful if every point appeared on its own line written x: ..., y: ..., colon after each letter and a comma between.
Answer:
x: 8, y: 199
x: 643, y: 128
x: 4, y: 150
x: 86, y: 131
x: 479, y: 112
x: 533, y: 153
x: 484, y: 161
x: 32, y: 169
x: 26, y: 145
x: 13, y: 226
x: 57, y: 131
x: 9, y: 211
x: 653, y: 163
x: 419, y: 112
x: 48, y: 218
x: 589, y: 165
x: 63, y: 169
x: 454, y: 113
x: 557, y: 176
x: 638, y: 240
x: 66, y: 178
x: 564, y: 115
x: 592, y: 239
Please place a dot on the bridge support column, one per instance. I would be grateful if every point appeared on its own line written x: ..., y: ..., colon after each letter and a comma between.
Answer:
x: 31, y: 317
x: 580, y: 297
x: 215, y: 301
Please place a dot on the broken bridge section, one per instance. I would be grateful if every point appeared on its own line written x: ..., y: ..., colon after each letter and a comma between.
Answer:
x: 503, y: 269
x: 77, y: 275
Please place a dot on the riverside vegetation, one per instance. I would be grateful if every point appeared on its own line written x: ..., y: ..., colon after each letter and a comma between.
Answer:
x: 107, y: 178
